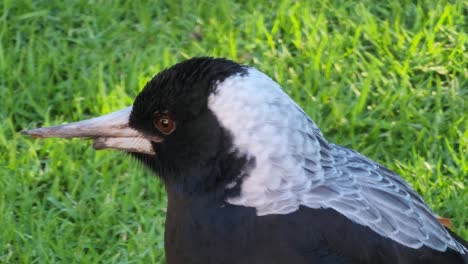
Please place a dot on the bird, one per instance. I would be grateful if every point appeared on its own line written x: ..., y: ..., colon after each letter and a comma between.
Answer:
x: 250, y: 178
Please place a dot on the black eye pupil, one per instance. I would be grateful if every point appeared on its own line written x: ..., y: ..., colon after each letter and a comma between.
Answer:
x: 164, y: 122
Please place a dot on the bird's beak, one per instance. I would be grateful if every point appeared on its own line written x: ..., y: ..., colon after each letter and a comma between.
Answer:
x: 108, y: 131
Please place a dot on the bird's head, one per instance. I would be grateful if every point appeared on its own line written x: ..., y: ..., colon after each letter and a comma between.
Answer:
x: 186, y: 121
x: 206, y: 123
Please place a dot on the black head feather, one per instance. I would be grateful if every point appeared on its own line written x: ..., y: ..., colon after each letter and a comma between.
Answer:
x: 196, y: 155
x: 183, y: 89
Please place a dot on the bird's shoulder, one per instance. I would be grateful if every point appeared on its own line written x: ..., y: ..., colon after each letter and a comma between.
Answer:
x: 303, y: 169
x: 372, y: 195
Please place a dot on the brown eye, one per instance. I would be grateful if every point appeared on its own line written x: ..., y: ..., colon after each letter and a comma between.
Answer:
x: 164, y: 123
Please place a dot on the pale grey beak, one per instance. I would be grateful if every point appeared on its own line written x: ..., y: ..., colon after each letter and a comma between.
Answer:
x: 108, y: 131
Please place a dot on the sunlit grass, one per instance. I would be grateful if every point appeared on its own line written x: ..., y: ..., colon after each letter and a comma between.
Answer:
x: 387, y: 78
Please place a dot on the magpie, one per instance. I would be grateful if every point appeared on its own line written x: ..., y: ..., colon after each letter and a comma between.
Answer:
x: 251, y: 179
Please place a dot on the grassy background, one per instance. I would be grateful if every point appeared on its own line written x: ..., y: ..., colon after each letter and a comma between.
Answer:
x: 387, y: 78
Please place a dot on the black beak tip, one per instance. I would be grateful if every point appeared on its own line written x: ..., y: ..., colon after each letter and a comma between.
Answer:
x: 30, y: 133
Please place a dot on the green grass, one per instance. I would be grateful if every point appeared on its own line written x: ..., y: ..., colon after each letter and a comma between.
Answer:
x: 387, y: 78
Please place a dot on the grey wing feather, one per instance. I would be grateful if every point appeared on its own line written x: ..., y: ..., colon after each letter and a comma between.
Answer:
x: 374, y: 196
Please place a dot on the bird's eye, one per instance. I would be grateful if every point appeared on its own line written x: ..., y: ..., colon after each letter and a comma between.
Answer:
x: 164, y: 123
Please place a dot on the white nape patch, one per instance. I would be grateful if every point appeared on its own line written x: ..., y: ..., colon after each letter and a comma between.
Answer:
x: 266, y: 124
x: 295, y: 166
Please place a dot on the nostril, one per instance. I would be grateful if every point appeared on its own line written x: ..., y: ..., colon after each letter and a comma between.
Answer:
x: 99, y: 143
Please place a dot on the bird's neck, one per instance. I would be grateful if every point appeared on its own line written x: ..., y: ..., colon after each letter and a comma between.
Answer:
x: 218, y: 178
